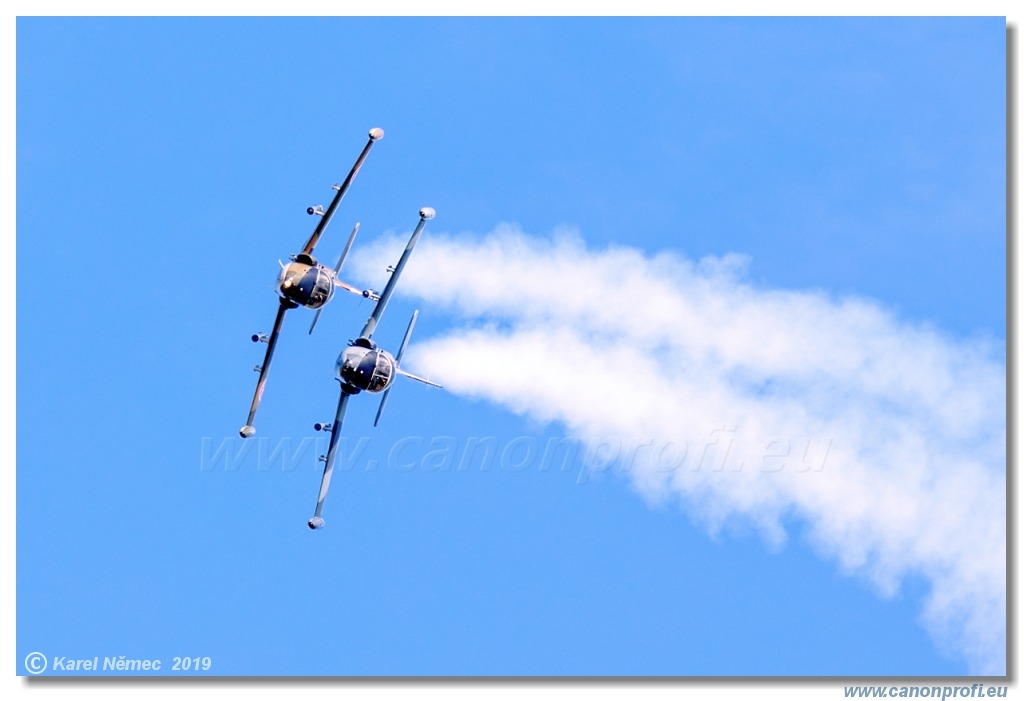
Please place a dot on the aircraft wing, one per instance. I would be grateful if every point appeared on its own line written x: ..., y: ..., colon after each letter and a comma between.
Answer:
x: 426, y: 214
x: 375, y: 135
x: 248, y: 429
x: 318, y: 521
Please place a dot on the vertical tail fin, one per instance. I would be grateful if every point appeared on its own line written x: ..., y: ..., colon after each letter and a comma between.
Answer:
x: 398, y: 360
x: 337, y: 269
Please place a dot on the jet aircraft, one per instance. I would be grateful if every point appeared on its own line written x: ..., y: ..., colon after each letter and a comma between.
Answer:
x: 306, y: 282
x: 363, y: 366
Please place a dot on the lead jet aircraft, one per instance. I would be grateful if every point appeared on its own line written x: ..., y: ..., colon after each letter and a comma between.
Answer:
x: 307, y: 283
x: 363, y: 366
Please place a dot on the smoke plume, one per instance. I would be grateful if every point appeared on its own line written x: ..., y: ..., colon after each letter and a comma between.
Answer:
x: 883, y: 438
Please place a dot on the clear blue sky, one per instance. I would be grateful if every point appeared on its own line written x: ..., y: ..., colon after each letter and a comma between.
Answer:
x: 163, y: 167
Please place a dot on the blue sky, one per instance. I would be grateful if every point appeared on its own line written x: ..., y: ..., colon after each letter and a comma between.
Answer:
x: 166, y: 164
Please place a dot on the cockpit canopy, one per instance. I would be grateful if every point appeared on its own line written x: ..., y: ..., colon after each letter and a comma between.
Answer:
x: 362, y: 368
x: 304, y: 284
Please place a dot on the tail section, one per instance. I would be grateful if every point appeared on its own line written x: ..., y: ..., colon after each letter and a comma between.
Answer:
x: 398, y: 360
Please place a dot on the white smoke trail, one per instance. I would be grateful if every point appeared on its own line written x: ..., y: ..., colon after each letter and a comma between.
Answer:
x: 886, y: 438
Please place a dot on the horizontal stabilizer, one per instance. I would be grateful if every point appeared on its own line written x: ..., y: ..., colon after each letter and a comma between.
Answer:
x: 316, y: 318
x: 418, y: 378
